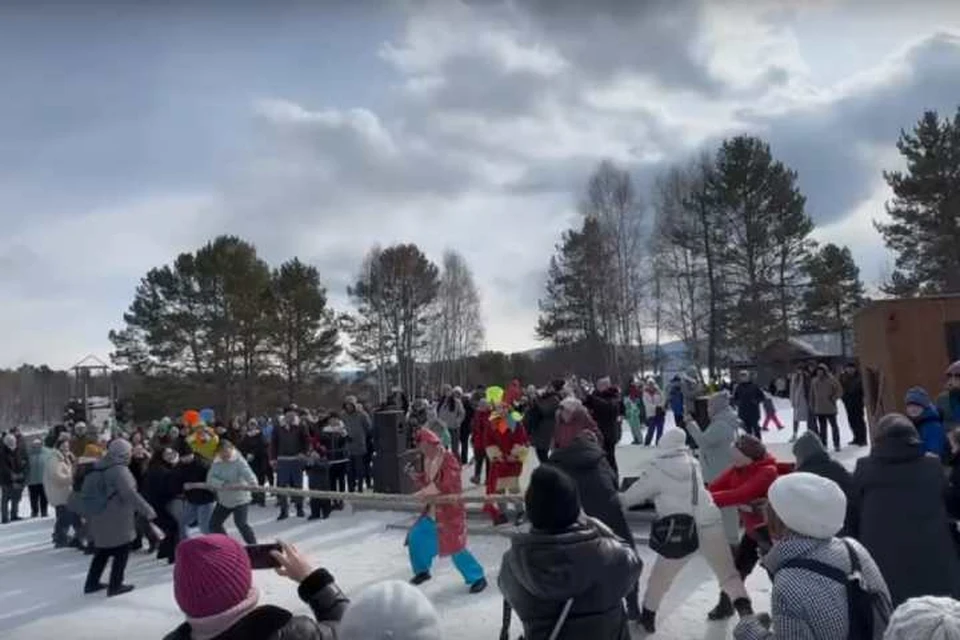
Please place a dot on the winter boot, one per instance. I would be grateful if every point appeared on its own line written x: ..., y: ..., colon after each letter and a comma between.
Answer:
x: 119, y: 591
x: 94, y: 588
x: 723, y: 610
x: 420, y: 578
x: 478, y: 586
x: 743, y: 607
x: 283, y: 516
x: 648, y: 621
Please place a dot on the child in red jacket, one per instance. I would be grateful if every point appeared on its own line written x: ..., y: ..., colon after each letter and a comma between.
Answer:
x: 745, y: 485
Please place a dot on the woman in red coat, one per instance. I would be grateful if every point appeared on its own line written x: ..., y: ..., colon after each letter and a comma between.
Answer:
x: 745, y: 485
x: 442, y: 528
x: 506, y: 445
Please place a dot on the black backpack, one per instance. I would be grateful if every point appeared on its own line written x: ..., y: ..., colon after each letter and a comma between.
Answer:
x: 868, y: 612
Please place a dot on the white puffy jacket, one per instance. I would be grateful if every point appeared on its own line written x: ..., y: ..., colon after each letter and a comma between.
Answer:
x: 666, y: 480
x: 58, y: 479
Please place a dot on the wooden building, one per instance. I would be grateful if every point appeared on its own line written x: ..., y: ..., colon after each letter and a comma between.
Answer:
x: 902, y: 343
x: 779, y: 358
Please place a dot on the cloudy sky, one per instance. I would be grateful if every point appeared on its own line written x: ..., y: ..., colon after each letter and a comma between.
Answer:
x: 130, y: 132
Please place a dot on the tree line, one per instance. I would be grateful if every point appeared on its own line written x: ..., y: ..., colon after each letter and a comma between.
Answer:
x: 221, y: 323
x: 720, y: 254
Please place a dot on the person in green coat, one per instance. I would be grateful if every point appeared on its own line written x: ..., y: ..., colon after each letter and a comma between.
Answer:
x: 634, y: 412
x: 230, y: 468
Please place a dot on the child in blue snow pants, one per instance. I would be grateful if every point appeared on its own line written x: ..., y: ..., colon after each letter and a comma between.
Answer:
x: 424, y: 546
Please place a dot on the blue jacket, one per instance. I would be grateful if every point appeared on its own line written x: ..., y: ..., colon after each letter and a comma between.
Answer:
x: 676, y: 397
x: 929, y: 424
x: 932, y: 434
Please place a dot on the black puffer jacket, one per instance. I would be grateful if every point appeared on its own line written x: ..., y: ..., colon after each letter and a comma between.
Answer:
x: 585, y: 462
x: 254, y: 449
x: 13, y: 466
x: 268, y: 622
x: 813, y: 458
x: 606, y: 409
x: 902, y: 522
x: 195, y: 472
x: 542, y: 419
x: 542, y: 571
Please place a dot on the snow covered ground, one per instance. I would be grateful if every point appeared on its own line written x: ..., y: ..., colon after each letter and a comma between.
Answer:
x: 41, y: 598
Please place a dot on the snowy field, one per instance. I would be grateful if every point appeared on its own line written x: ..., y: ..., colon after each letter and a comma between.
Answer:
x: 41, y: 588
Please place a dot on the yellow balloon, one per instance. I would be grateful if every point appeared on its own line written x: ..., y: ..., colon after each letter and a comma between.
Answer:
x: 494, y: 395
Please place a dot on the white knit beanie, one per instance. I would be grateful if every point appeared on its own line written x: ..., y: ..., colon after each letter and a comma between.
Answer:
x: 10, y: 441
x: 927, y: 618
x: 390, y: 610
x: 808, y: 504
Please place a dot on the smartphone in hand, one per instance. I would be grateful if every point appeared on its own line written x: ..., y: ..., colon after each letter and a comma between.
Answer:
x: 261, y: 557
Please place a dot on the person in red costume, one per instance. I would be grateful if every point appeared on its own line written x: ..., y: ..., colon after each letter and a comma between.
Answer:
x: 442, y: 528
x: 506, y: 445
x: 745, y: 486
x: 513, y: 394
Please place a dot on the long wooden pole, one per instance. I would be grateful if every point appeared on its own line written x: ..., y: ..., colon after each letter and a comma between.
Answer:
x: 395, y: 499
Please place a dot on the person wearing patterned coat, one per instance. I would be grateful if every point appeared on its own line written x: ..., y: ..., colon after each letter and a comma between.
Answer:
x: 442, y: 528
x: 804, y: 514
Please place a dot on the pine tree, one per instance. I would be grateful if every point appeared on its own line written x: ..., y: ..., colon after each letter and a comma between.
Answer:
x: 764, y: 230
x: 834, y: 291
x: 394, y: 293
x: 577, y: 307
x: 925, y: 211
x: 303, y: 335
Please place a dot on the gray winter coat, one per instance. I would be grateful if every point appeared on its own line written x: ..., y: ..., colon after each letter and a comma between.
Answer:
x: 805, y: 605
x: 715, y: 450
x: 800, y: 397
x: 715, y: 443
x: 824, y: 394
x: 358, y: 428
x: 114, y: 526
x: 451, y: 417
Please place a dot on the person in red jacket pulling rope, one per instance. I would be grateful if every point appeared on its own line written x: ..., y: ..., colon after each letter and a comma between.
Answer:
x: 745, y: 485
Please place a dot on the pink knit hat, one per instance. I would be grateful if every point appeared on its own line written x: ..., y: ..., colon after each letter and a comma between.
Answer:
x: 212, y: 575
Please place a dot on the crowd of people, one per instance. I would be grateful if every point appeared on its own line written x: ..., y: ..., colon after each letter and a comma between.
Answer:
x: 867, y: 554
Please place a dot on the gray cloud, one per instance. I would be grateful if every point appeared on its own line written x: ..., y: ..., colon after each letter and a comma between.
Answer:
x: 833, y: 146
x: 482, y: 143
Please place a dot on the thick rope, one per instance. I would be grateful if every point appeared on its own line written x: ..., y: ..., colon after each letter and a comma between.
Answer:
x: 394, y: 499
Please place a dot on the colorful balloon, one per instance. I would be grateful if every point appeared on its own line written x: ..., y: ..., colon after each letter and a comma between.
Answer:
x: 207, y: 415
x: 191, y: 417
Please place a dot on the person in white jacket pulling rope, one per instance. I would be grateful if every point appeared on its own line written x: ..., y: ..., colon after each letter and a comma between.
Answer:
x: 673, y: 481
